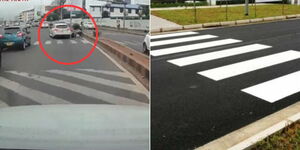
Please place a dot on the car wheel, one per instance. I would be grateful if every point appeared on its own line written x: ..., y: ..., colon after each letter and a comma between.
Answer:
x: 23, y: 46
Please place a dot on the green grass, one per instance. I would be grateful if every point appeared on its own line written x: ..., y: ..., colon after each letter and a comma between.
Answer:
x: 286, y: 139
x: 205, y: 15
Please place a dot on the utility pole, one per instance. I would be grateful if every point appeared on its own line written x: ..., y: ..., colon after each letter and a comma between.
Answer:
x: 124, y: 14
x: 195, y: 11
x: 246, y: 7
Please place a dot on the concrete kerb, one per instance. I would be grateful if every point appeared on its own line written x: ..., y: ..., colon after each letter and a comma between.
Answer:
x: 248, y: 136
x: 227, y: 23
x: 136, y: 63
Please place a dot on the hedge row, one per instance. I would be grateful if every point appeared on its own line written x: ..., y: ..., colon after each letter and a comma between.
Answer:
x: 161, y: 5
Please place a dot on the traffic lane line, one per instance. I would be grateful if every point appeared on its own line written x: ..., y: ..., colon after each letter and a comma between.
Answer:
x: 232, y: 70
x: 192, y: 47
x: 277, y: 88
x: 185, y: 61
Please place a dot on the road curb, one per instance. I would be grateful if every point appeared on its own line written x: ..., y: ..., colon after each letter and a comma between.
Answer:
x: 135, y: 32
x: 225, y: 23
x: 135, y: 62
x: 246, y: 137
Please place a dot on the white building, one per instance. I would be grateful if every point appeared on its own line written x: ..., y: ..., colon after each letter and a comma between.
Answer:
x: 27, y: 15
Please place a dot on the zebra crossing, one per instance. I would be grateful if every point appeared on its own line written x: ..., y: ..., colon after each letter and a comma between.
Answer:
x: 60, y: 42
x: 271, y: 91
x: 83, y: 75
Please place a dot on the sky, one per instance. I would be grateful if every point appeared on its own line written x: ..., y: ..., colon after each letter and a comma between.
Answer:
x: 11, y: 8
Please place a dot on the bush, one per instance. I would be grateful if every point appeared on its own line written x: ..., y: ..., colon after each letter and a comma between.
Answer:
x: 161, y: 5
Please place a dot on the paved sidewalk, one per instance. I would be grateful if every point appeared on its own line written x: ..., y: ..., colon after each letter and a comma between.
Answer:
x: 157, y: 23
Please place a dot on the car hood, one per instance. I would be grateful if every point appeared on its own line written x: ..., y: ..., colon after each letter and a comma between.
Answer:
x: 109, y: 127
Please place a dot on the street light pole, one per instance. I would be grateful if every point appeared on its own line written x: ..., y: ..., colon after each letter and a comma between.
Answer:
x: 246, y: 7
x: 124, y: 14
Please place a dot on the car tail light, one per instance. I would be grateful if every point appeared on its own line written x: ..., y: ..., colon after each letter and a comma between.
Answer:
x: 20, y: 34
x: 1, y: 36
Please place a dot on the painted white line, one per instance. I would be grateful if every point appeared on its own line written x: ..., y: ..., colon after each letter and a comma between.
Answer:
x: 260, y: 136
x: 89, y: 78
x: 276, y: 89
x: 217, y: 55
x: 59, y: 42
x: 36, y: 43
x: 3, y: 104
x: 146, y: 92
x: 172, y: 35
x: 48, y: 42
x: 84, y: 41
x: 113, y: 99
x: 192, y: 47
x: 73, y: 41
x: 35, y: 95
x: 181, y: 40
x: 249, y: 65
x: 113, y: 73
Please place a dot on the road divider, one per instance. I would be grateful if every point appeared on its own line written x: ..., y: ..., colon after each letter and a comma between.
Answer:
x: 225, y: 23
x: 134, y: 62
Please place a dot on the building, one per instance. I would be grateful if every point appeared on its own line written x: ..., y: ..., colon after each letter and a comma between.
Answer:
x: 117, y: 10
x: 27, y: 15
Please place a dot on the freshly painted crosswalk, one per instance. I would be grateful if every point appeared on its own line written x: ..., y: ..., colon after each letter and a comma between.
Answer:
x: 270, y: 91
x: 60, y: 42
x: 44, y: 98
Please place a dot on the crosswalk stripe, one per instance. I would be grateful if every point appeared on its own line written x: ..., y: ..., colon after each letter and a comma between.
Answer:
x: 73, y: 41
x: 181, y: 40
x: 113, y: 99
x: 250, y: 65
x: 3, y: 104
x: 114, y: 73
x: 277, y: 88
x: 90, y: 78
x: 36, y: 43
x: 84, y: 41
x: 193, y: 47
x: 35, y: 95
x: 59, y: 42
x: 48, y: 42
x: 217, y: 55
x: 172, y: 35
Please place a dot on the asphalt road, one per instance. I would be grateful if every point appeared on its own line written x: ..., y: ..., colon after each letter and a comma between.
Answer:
x: 226, y: 78
x: 29, y: 78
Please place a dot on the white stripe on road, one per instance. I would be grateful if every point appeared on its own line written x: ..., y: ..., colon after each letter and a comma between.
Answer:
x: 172, y: 35
x: 250, y: 65
x: 89, y: 78
x: 36, y: 43
x: 59, y: 42
x: 276, y: 89
x: 48, y: 42
x: 217, y: 55
x: 35, y: 95
x: 114, y: 73
x: 181, y: 40
x: 113, y: 99
x: 84, y: 41
x: 192, y: 47
x: 73, y: 41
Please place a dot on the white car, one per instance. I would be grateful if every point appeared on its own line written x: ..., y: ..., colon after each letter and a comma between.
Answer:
x: 60, y: 29
x: 146, y: 44
x: 45, y: 24
x: 88, y: 25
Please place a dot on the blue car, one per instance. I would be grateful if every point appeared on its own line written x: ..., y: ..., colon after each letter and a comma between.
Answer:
x: 15, y: 37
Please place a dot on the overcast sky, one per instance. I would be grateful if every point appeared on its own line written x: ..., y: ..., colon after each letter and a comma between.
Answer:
x: 9, y: 9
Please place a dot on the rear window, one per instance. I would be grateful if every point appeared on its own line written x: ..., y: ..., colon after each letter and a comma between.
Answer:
x: 61, y: 26
x: 11, y: 30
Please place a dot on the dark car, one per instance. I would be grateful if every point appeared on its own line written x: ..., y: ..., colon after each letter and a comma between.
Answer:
x: 15, y: 37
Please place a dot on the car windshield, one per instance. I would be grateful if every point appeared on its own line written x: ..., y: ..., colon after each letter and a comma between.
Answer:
x: 61, y: 26
x: 11, y: 30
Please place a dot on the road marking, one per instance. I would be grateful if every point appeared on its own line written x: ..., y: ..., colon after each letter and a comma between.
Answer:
x: 250, y: 65
x: 3, y: 104
x: 36, y: 43
x: 181, y: 40
x: 60, y: 42
x: 172, y: 35
x: 84, y: 41
x: 113, y: 73
x: 73, y: 41
x: 276, y: 89
x: 48, y: 42
x: 113, y: 99
x: 89, y: 78
x: 35, y: 95
x: 192, y: 47
x: 217, y: 55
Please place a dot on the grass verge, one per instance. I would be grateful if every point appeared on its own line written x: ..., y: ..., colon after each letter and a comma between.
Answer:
x: 205, y: 15
x: 286, y: 139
